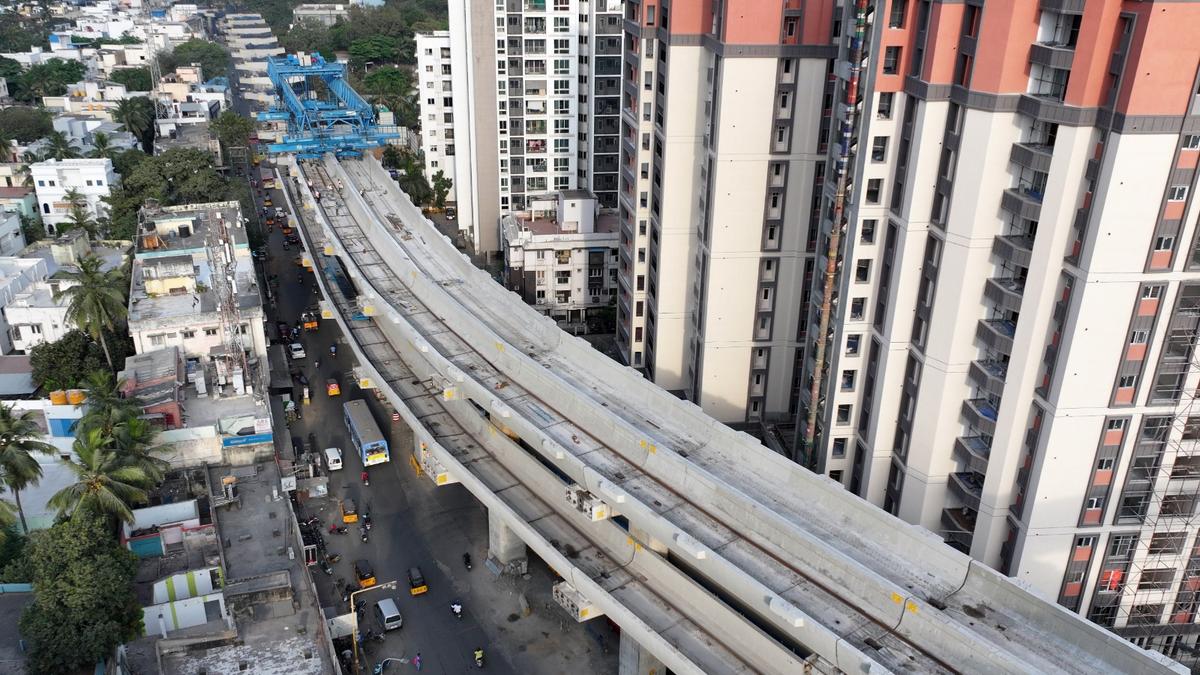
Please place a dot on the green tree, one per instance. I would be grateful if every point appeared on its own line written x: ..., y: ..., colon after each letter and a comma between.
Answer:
x: 125, y: 161
x: 212, y: 57
x: 134, y: 79
x: 102, y: 146
x: 60, y: 146
x: 410, y: 174
x: 48, y: 79
x: 29, y: 158
x: 79, y: 218
x: 96, y: 300
x: 84, y: 602
x: 308, y: 35
x: 66, y: 362
x: 19, y: 469
x: 232, y: 129
x: 107, y: 482
x: 377, y: 49
x: 25, y: 124
x: 441, y: 188
x: 136, y: 114
x: 32, y: 228
x: 10, y: 69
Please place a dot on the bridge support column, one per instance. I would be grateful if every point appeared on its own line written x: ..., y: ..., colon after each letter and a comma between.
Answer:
x: 648, y: 541
x: 635, y: 660
x: 506, y: 551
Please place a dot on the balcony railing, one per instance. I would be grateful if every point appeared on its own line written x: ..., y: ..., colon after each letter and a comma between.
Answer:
x: 1005, y: 292
x: 960, y: 526
x: 989, y: 374
x: 997, y: 334
x: 968, y: 486
x: 1014, y: 248
x: 981, y: 414
x: 974, y: 450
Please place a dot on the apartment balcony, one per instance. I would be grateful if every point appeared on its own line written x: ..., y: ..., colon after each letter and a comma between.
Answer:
x: 1005, y: 293
x: 980, y: 413
x: 974, y: 450
x: 997, y: 334
x: 1052, y: 54
x: 1036, y: 156
x: 960, y: 526
x: 968, y: 487
x: 988, y: 374
x: 1014, y: 248
x: 1023, y: 202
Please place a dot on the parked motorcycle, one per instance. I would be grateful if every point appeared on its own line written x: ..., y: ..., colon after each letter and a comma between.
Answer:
x: 337, y: 529
x: 326, y: 568
x: 467, y: 561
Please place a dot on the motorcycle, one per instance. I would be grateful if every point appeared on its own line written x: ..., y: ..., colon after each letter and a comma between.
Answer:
x: 366, y: 478
x: 326, y: 568
x: 364, y: 534
x: 479, y: 658
x: 456, y: 609
x: 367, y: 521
x: 333, y: 350
x: 336, y: 529
x: 467, y: 561
x: 333, y: 558
x: 313, y: 521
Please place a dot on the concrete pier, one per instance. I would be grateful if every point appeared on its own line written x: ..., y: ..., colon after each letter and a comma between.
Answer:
x: 634, y: 660
x: 506, y: 551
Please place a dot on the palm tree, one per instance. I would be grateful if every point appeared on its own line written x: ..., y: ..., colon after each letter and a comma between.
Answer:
x: 133, y: 439
x: 59, y: 146
x: 106, y: 483
x: 30, y: 157
x: 96, y: 301
x: 18, y: 442
x: 80, y: 218
x: 107, y: 408
x: 136, y: 113
x: 102, y: 146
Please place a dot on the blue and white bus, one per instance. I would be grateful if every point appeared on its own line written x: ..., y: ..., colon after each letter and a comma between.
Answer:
x: 365, y: 434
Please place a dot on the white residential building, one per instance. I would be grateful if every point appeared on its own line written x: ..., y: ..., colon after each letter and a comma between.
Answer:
x: 33, y: 315
x: 435, y: 87
x: 536, y: 92
x: 561, y: 255
x: 82, y: 130
x: 12, y: 239
x: 17, y: 275
x: 177, y: 299
x: 97, y: 98
x: 91, y: 178
x: 325, y: 14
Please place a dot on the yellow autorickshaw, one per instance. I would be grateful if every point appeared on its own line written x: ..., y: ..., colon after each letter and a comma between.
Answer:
x: 349, y: 512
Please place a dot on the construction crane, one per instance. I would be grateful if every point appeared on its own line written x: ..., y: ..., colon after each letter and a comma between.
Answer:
x: 322, y: 111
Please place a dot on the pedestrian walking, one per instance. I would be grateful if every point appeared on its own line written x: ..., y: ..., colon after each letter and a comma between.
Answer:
x: 417, y: 661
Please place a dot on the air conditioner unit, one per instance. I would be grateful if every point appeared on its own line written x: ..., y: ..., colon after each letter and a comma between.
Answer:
x: 574, y: 602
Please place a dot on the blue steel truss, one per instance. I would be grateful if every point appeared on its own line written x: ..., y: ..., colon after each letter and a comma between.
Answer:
x: 323, y: 113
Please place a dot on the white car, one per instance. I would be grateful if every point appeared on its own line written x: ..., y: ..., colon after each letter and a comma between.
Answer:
x: 296, y: 350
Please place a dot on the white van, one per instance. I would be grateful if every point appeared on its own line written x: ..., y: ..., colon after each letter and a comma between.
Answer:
x: 389, y: 617
x: 333, y: 459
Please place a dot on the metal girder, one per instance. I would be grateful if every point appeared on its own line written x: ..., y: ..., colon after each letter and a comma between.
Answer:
x: 336, y: 119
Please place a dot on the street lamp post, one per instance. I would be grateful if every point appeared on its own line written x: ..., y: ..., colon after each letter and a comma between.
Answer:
x: 354, y: 611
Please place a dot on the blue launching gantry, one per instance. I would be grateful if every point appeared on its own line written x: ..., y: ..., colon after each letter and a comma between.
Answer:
x: 323, y: 113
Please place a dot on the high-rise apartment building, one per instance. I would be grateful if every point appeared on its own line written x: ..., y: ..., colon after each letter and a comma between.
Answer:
x: 435, y: 86
x: 1017, y: 294
x: 725, y: 122
x: 536, y: 89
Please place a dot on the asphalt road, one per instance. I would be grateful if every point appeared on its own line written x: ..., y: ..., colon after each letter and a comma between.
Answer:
x: 395, y: 542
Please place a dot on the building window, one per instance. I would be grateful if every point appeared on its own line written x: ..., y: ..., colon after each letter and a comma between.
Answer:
x: 896, y: 16
x: 874, y: 188
x: 848, y: 377
x: 843, y: 413
x: 852, y: 344
x: 1191, y: 142
x: 210, y: 332
x: 891, y: 60
x: 879, y: 148
x: 886, y: 100
x: 1126, y: 381
x: 862, y: 271
x: 1140, y: 337
x: 839, y: 447
x: 857, y: 308
x: 1151, y: 292
x: 188, y: 334
x: 1177, y: 193
x: 1164, y: 243
x: 867, y: 232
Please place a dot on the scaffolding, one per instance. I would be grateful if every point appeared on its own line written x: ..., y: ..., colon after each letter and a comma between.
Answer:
x: 1156, y: 590
x: 231, y: 365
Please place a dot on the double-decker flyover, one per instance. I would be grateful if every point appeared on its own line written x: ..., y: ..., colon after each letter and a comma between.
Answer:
x: 725, y: 557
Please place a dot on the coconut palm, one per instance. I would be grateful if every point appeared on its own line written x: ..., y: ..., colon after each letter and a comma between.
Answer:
x: 106, y: 483
x: 79, y: 218
x: 102, y: 146
x: 133, y: 438
x: 59, y: 146
x: 18, y: 441
x: 106, y: 407
x: 29, y: 158
x: 136, y: 113
x: 96, y: 301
